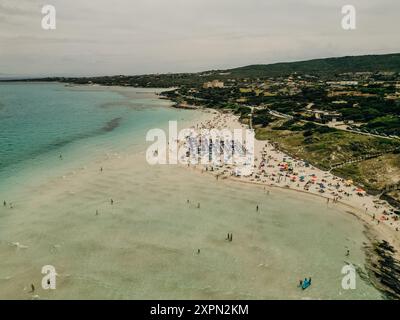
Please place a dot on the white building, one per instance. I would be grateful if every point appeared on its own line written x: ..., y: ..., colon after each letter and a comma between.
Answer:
x: 213, y: 84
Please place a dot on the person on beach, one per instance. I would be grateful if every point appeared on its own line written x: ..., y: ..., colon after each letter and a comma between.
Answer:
x: 61, y: 156
x: 300, y: 283
x: 4, y: 203
x: 32, y: 288
x: 257, y: 208
x: 198, y: 205
x: 101, y: 169
x: 97, y: 212
x: 304, y: 285
x: 198, y: 251
x: 348, y: 253
x: 112, y: 201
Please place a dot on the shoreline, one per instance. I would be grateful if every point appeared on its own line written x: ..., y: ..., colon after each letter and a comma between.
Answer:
x: 372, y: 230
x: 377, y: 233
x: 352, y: 201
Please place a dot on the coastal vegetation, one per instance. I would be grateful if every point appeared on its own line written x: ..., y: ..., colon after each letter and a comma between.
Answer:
x: 376, y: 173
x: 324, y: 67
x: 324, y: 146
x: 371, y: 162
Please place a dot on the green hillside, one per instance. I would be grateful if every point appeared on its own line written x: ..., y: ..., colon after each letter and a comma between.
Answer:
x: 328, y: 66
x: 319, y: 67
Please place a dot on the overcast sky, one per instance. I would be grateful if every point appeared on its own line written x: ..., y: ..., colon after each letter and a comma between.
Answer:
x: 102, y: 37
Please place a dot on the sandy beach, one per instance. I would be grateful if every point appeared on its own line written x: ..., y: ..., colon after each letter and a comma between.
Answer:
x: 275, y: 170
x: 116, y: 227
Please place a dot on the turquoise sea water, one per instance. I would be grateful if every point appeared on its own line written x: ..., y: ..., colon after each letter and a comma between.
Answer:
x: 41, y: 121
x: 145, y: 245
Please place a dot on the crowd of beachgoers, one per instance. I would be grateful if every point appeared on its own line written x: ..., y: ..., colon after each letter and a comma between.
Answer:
x: 274, y: 168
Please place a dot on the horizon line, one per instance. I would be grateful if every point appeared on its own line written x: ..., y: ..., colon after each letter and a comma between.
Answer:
x: 35, y: 77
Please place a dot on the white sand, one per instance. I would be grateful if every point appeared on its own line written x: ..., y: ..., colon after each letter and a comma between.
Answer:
x: 337, y: 191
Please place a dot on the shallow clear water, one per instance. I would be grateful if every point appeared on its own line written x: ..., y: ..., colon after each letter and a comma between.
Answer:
x: 145, y: 245
x: 41, y: 121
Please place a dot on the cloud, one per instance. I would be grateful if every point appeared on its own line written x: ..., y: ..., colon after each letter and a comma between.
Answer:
x: 142, y: 36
